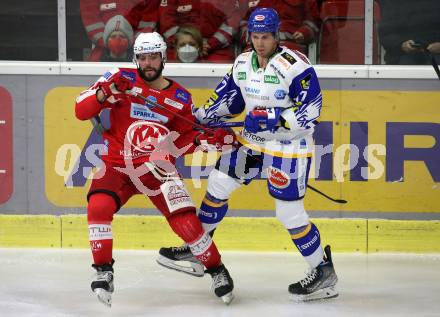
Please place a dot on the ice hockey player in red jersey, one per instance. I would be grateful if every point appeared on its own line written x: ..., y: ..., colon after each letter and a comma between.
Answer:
x: 151, y: 124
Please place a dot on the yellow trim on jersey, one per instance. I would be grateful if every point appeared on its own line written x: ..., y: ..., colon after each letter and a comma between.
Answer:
x: 213, y: 204
x: 302, y: 234
x: 261, y: 149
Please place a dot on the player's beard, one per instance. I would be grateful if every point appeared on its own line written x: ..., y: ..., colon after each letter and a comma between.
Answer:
x: 157, y: 73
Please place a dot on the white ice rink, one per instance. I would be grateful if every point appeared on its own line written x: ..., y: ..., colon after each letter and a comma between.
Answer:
x: 48, y: 282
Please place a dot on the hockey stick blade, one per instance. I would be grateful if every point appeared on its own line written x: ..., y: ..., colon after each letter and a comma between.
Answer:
x: 338, y: 201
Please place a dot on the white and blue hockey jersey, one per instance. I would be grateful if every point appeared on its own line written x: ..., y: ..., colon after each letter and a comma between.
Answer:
x: 288, y: 82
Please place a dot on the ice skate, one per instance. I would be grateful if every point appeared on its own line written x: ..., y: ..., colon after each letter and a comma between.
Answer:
x: 181, y: 259
x: 318, y: 284
x: 222, y: 283
x: 102, y: 284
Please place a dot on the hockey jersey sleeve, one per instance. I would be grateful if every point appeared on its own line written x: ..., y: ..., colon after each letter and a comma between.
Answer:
x: 305, y: 92
x: 225, y: 102
x: 86, y: 105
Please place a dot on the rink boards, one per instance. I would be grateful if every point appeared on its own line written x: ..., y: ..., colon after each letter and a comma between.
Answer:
x: 392, y: 124
x: 244, y: 234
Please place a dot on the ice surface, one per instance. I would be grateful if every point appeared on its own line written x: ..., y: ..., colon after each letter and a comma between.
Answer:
x: 48, y: 282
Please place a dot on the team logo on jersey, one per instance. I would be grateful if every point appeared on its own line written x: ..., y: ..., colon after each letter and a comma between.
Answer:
x: 280, y: 94
x: 144, y: 136
x: 289, y: 58
x: 182, y: 95
x: 305, y: 82
x: 241, y: 75
x: 173, y: 103
x: 277, y: 178
x: 138, y: 111
x: 271, y: 79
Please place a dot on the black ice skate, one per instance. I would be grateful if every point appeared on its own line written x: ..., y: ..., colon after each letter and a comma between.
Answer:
x: 222, y: 283
x: 102, y: 285
x: 181, y: 259
x: 318, y: 284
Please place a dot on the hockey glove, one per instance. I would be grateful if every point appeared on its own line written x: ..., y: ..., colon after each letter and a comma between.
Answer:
x: 114, y: 89
x: 216, y: 141
x: 262, y: 120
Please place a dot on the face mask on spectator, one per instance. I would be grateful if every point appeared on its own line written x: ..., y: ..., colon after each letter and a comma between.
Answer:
x: 117, y: 46
x: 187, y: 53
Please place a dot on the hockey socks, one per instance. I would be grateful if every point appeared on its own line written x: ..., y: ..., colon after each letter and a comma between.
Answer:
x: 187, y: 226
x: 307, y: 240
x: 212, y: 211
x: 100, y: 212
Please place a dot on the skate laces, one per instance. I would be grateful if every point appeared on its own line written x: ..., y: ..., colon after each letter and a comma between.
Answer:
x: 182, y: 249
x: 106, y: 276
x: 220, y: 279
x: 310, y: 277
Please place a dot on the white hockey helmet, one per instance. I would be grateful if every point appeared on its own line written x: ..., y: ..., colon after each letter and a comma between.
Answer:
x: 150, y: 43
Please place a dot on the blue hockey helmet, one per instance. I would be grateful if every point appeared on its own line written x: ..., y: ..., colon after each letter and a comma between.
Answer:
x: 264, y: 20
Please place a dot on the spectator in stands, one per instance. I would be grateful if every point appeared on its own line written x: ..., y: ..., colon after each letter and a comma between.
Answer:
x: 216, y: 19
x: 299, y: 21
x: 142, y: 15
x: 188, y: 45
x: 118, y: 42
x: 409, y: 29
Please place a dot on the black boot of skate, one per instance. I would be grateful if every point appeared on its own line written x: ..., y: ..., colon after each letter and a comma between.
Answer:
x: 102, y: 284
x: 222, y: 283
x: 319, y: 283
x: 181, y: 259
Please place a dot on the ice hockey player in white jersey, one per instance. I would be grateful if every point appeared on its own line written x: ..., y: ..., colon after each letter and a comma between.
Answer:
x: 279, y: 91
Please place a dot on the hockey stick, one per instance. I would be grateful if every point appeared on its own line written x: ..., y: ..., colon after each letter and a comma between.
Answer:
x: 208, y: 130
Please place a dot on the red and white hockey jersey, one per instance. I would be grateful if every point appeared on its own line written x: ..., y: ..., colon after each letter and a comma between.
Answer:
x: 136, y: 128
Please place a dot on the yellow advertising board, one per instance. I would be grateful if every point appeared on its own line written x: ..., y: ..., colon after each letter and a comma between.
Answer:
x: 380, y: 150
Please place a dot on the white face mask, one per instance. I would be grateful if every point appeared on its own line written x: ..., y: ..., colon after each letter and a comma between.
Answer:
x: 187, y: 53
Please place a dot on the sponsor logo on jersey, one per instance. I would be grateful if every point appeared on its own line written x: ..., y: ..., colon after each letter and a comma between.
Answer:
x: 259, y: 17
x: 271, y: 79
x: 241, y: 62
x: 277, y: 178
x: 182, y: 95
x: 253, y: 137
x: 252, y: 90
x: 184, y: 8
x: 138, y: 111
x: 153, y: 100
x: 280, y: 94
x: 255, y: 81
x: 107, y: 75
x: 305, y: 82
x: 289, y: 58
x: 241, y: 75
x: 129, y: 75
x: 143, y: 137
x: 278, y: 71
x: 176, y: 196
x: 283, y: 62
x: 173, y: 103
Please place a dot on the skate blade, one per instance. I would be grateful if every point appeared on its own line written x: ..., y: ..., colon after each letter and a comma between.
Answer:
x: 188, y: 267
x: 227, y: 299
x: 104, y: 296
x: 325, y: 293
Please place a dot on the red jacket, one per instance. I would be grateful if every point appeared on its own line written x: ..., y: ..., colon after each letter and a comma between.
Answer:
x: 295, y: 15
x: 142, y: 15
x: 140, y: 126
x: 217, y: 20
